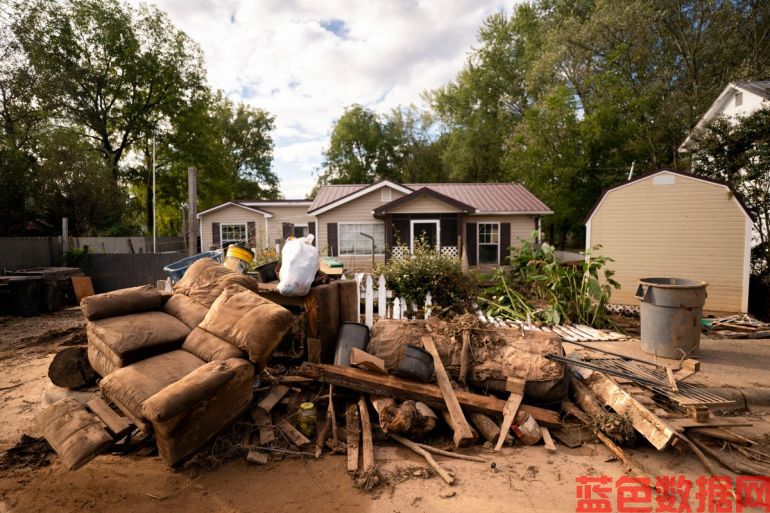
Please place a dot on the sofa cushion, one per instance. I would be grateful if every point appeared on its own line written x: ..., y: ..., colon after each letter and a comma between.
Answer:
x: 249, y: 321
x: 185, y: 309
x: 121, y: 302
x: 129, y: 338
x: 130, y: 386
x: 100, y: 361
x: 205, y: 280
x: 209, y: 347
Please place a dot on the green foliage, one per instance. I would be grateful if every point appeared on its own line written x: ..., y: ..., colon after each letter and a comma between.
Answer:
x: 412, y: 276
x: 265, y: 256
x: 74, y: 256
x: 737, y: 152
x: 539, y: 288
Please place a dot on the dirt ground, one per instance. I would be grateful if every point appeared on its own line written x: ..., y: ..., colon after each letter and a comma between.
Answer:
x: 528, y: 479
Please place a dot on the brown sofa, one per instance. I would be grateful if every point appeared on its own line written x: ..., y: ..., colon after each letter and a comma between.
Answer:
x: 182, y: 366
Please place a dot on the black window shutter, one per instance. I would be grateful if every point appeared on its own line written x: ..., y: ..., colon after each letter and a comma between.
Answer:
x: 311, y: 231
x: 470, y: 242
x: 331, y: 238
x: 216, y: 241
x: 251, y: 234
x: 505, y: 243
x: 287, y: 229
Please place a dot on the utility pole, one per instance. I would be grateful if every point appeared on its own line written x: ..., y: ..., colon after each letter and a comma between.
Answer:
x: 192, y: 211
x: 154, y: 217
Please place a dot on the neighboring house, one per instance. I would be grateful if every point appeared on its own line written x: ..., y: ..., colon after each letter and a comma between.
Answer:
x: 673, y: 224
x: 484, y: 219
x: 738, y: 99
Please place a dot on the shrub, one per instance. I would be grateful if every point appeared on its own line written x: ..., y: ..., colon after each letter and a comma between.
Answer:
x: 412, y: 276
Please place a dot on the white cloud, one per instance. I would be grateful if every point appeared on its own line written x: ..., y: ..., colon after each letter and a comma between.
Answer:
x: 305, y: 61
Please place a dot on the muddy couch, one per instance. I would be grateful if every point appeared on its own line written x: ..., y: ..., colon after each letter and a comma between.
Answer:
x: 182, y: 366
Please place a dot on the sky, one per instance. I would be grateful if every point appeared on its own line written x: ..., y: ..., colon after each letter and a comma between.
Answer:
x: 304, y: 61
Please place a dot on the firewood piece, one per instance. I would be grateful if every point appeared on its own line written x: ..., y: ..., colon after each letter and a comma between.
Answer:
x: 333, y: 415
x: 516, y: 387
x: 547, y: 440
x: 428, y: 417
x: 611, y: 424
x: 256, y: 457
x: 732, y: 466
x: 117, y: 426
x: 465, y: 357
x: 425, y: 454
x: 462, y: 430
x: 671, y: 379
x: 370, y: 383
x: 367, y: 444
x: 271, y: 399
x: 450, y: 422
x: 359, y: 358
x: 292, y: 434
x: 71, y: 369
x: 722, y: 434
x: 353, y: 430
x: 488, y: 428
x: 322, y: 435
x: 314, y: 350
x: 449, y: 454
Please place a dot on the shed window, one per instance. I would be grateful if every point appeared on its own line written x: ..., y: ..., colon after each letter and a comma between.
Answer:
x: 489, y: 243
x: 233, y: 233
x: 351, y: 241
x: 738, y: 99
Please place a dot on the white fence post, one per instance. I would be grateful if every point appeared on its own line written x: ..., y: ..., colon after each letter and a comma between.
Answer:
x: 369, y: 295
x: 382, y: 301
x: 428, y: 305
x: 397, y: 308
x: 358, y: 277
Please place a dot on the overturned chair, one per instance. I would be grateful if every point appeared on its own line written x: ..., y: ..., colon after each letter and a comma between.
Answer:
x: 182, y: 366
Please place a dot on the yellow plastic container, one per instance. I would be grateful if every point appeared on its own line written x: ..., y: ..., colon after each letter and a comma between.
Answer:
x: 238, y: 258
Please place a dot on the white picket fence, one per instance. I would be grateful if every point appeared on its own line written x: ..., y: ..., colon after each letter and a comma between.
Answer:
x: 388, y: 307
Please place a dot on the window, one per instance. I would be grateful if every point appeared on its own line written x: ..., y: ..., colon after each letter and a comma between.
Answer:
x: 385, y: 194
x: 738, y: 99
x: 232, y: 233
x: 300, y: 230
x: 489, y: 243
x: 353, y: 243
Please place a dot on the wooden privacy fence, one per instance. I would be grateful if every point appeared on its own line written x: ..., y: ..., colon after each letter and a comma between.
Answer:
x: 388, y: 306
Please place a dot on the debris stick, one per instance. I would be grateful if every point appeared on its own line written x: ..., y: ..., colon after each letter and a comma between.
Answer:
x: 353, y: 430
x: 366, y: 435
x: 322, y: 435
x: 465, y: 356
x: 516, y: 387
x: 425, y: 454
x: 732, y: 466
x: 449, y: 454
x: 332, y: 415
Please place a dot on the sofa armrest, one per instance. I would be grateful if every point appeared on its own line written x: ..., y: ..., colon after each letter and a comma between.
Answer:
x: 196, y: 387
x: 121, y: 302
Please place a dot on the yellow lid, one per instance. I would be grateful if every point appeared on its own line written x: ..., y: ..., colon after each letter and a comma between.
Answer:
x: 240, y: 253
x: 306, y: 406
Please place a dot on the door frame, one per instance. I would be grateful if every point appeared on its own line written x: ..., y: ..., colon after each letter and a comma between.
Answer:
x: 412, y: 222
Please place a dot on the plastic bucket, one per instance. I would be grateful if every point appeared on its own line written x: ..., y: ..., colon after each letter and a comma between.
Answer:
x: 177, y: 269
x: 238, y: 258
x: 351, y: 335
x: 416, y: 364
x: 267, y: 272
x: 670, y: 314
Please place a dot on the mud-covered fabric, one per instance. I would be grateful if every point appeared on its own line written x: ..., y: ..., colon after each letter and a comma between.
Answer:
x: 129, y: 338
x: 192, y: 389
x: 132, y: 385
x: 209, y: 347
x: 185, y: 309
x: 388, y: 339
x: 74, y: 433
x: 205, y: 280
x: 100, y: 362
x: 248, y: 321
x: 121, y: 302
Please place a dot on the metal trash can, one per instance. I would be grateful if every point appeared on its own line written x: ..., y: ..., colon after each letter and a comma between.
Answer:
x: 670, y: 313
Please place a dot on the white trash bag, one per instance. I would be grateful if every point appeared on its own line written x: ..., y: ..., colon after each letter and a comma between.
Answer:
x: 299, y: 265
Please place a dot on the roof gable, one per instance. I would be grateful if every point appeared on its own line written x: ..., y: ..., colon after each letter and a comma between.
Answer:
x: 422, y: 193
x: 324, y: 203
x: 235, y: 204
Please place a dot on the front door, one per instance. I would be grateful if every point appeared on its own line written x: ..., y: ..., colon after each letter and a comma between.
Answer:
x: 427, y: 230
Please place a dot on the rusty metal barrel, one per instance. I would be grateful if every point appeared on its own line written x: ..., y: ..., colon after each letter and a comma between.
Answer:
x: 671, y: 312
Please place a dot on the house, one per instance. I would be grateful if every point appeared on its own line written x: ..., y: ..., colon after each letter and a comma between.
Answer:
x: 738, y: 99
x: 362, y: 223
x: 673, y: 224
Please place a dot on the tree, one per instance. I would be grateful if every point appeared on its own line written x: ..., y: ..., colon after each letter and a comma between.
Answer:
x: 737, y: 152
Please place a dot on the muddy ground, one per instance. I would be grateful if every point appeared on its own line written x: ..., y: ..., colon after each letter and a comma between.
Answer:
x: 516, y: 479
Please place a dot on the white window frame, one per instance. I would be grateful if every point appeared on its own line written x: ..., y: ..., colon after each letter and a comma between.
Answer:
x: 222, y: 239
x: 412, y: 222
x: 478, y: 243
x: 339, y: 239
x: 300, y: 226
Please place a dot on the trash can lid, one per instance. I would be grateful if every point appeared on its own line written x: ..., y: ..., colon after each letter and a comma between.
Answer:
x: 673, y: 283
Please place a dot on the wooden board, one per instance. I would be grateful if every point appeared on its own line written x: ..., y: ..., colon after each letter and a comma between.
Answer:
x: 292, y: 434
x: 367, y: 445
x: 359, y: 358
x: 117, y: 426
x: 392, y: 386
x: 83, y: 287
x: 516, y: 387
x: 353, y: 431
x: 547, y: 440
x: 271, y: 399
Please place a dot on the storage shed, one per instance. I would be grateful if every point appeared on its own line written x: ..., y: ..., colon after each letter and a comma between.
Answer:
x: 673, y: 224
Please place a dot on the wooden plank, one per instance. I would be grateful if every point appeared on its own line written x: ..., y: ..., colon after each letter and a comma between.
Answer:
x: 367, y: 445
x: 118, y: 426
x: 292, y: 434
x: 392, y: 386
x: 516, y: 387
x: 276, y: 394
x: 462, y: 428
x: 256, y: 457
x: 359, y: 358
x: 353, y: 430
x: 83, y: 287
x: 313, y: 349
x: 671, y: 379
x: 547, y: 440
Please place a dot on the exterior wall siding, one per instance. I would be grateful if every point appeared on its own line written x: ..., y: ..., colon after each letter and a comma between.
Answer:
x: 424, y: 204
x: 229, y: 215
x: 295, y: 215
x: 688, y: 229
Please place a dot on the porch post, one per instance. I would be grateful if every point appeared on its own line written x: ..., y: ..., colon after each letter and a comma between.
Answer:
x: 388, y: 236
x: 460, y: 232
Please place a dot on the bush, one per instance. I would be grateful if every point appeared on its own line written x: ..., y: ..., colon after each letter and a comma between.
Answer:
x: 540, y: 288
x: 412, y: 276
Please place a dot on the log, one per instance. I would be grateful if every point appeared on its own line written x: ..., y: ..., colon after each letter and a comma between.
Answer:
x: 516, y: 387
x: 488, y: 428
x: 375, y: 384
x: 610, y: 424
x: 462, y: 430
x: 425, y: 454
x: 465, y: 357
x: 353, y: 430
x: 70, y: 368
x: 367, y: 444
x: 454, y: 455
x: 428, y: 417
